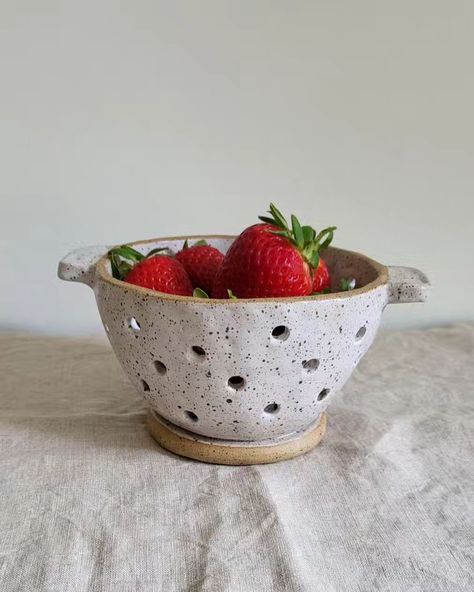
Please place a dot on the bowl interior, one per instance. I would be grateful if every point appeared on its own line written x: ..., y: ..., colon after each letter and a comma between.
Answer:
x: 341, y: 263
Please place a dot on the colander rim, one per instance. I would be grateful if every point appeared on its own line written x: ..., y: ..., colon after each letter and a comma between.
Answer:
x: 103, y: 273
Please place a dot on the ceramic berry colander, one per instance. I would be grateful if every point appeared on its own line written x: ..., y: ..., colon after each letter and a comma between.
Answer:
x: 241, y: 381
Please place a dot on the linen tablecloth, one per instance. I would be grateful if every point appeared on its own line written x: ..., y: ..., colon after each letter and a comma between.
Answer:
x: 89, y: 502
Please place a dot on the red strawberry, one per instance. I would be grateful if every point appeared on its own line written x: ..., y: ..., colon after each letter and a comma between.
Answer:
x: 270, y: 260
x: 202, y: 263
x: 321, y: 277
x: 161, y: 273
x: 153, y: 271
x: 260, y: 264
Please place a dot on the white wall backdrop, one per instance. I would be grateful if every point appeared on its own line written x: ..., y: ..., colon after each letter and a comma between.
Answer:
x: 129, y: 120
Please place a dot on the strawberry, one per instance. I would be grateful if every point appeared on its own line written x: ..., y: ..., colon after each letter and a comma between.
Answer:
x: 202, y: 263
x: 154, y: 271
x: 161, y: 273
x: 321, y: 278
x: 272, y: 260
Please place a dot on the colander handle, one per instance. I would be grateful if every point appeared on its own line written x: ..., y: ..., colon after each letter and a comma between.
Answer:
x: 407, y: 284
x: 79, y: 265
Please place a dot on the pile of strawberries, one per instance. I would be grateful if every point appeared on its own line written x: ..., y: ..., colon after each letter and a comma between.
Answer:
x: 270, y: 259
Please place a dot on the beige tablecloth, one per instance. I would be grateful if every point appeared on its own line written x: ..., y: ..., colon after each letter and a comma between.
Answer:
x: 89, y: 502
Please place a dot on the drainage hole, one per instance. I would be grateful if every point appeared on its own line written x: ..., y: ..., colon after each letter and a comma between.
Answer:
x: 280, y: 333
x: 272, y: 408
x: 323, y: 394
x: 198, y: 352
x: 160, y: 367
x: 310, y: 365
x: 236, y: 383
x: 134, y: 324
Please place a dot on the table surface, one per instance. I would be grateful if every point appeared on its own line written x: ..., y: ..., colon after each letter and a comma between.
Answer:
x: 89, y: 502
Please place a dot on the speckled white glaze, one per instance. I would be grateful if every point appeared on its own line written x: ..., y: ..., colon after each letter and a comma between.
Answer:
x: 287, y: 380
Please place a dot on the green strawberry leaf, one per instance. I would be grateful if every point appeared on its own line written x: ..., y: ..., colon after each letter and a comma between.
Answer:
x: 325, y: 291
x: 278, y: 216
x: 124, y: 269
x: 133, y: 253
x: 328, y: 235
x: 308, y: 233
x: 231, y: 295
x: 119, y: 267
x: 200, y: 243
x: 347, y: 284
x: 156, y: 251
x: 281, y: 233
x: 114, y: 264
x: 127, y: 252
x: 198, y: 293
x: 297, y: 231
x: 185, y: 245
x: 267, y: 220
x: 286, y: 234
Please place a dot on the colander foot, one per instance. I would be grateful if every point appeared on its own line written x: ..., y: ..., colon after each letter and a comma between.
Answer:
x: 232, y: 452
